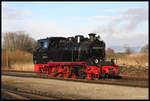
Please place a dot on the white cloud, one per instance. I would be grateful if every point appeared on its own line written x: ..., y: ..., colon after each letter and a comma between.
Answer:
x: 43, y: 29
x: 109, y: 10
x: 134, y: 39
x: 129, y: 18
x: 107, y: 17
x: 112, y: 31
x: 124, y: 28
x: 76, y: 18
x: 13, y: 18
x: 134, y: 15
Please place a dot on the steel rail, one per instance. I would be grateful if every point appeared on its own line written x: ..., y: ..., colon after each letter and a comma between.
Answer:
x: 30, y: 94
x: 119, y: 77
x: 12, y: 95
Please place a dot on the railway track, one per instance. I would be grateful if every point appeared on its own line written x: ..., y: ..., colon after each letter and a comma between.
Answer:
x: 13, y: 94
x: 124, y: 81
x: 19, y: 93
x: 123, y: 77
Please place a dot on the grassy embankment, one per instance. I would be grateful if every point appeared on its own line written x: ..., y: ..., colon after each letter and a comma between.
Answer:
x: 132, y: 64
x: 139, y: 60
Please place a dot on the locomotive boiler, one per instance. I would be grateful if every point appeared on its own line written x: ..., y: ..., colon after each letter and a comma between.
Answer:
x: 75, y: 57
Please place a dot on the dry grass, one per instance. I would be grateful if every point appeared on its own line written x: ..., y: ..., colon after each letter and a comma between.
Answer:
x: 23, y: 67
x: 136, y: 60
x: 139, y: 60
x: 17, y: 57
x: 132, y: 65
x: 20, y: 57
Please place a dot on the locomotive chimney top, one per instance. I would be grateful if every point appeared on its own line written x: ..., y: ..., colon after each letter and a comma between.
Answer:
x: 92, y: 36
x: 99, y: 38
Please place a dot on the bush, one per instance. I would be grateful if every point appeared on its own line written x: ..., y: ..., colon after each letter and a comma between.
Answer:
x: 144, y: 49
x: 110, y: 53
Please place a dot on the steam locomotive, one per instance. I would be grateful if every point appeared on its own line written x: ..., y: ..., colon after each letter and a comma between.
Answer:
x: 73, y: 57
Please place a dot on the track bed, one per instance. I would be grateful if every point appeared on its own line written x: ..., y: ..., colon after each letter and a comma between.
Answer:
x: 124, y: 81
x: 62, y: 89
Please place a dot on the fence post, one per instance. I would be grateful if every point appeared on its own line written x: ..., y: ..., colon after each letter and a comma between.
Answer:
x: 6, y: 51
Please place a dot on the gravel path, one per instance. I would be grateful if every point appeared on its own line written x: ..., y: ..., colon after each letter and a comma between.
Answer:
x: 78, y: 90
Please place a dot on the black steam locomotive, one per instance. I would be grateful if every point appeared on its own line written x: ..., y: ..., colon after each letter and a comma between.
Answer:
x: 73, y: 50
x: 70, y: 49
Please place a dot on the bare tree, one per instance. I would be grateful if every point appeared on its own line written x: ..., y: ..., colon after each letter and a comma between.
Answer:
x: 19, y: 41
x: 144, y: 49
x: 110, y: 53
x: 128, y: 50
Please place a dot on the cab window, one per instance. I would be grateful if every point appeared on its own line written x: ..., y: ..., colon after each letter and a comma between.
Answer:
x: 45, y: 45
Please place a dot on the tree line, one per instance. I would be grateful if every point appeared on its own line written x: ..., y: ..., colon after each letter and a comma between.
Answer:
x: 18, y: 41
x: 128, y: 50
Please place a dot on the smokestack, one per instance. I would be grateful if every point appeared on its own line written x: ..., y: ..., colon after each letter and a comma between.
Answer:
x: 99, y: 38
x: 92, y: 36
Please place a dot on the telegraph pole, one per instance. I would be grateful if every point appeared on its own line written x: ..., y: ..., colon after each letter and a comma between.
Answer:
x: 6, y: 51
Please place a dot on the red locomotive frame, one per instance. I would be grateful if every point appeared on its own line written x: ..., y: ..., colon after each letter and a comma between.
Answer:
x: 64, y: 69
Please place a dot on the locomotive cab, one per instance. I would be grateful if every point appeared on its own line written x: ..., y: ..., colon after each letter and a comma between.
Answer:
x: 40, y: 54
x: 42, y: 45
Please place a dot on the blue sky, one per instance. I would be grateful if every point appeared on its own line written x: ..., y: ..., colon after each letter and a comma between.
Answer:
x: 117, y: 22
x: 58, y: 10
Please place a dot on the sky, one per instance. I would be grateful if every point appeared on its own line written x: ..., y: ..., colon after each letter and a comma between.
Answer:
x: 118, y: 23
